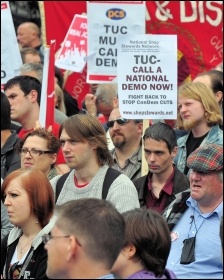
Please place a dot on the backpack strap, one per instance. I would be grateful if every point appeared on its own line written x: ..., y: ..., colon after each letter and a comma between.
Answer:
x: 60, y: 184
x: 110, y: 176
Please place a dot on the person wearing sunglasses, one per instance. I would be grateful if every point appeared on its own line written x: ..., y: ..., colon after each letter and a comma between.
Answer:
x: 39, y: 149
x: 126, y: 135
x: 29, y: 199
x: 194, y: 218
x: 85, y: 241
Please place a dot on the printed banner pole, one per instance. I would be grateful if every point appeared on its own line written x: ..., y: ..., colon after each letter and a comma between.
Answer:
x: 46, y: 116
x: 144, y: 167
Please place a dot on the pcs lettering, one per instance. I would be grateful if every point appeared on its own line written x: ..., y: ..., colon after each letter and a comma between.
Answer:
x: 115, y: 14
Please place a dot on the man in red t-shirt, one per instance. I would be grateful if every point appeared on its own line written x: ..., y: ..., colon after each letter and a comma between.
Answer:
x: 24, y: 93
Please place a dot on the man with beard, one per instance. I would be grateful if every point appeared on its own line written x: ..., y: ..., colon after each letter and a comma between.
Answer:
x: 126, y: 136
x: 159, y: 187
x: 199, y: 113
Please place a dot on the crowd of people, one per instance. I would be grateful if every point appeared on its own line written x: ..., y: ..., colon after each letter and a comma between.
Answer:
x: 75, y: 203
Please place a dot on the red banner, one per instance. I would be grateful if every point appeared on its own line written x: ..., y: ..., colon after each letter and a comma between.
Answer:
x: 198, y: 25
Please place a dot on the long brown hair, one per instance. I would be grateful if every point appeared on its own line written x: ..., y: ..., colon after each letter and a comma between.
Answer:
x: 85, y: 128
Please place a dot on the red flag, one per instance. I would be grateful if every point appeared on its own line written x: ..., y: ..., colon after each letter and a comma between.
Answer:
x: 47, y: 107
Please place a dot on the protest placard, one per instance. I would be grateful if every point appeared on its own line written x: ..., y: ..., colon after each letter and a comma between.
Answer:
x: 113, y: 19
x: 197, y: 24
x: 147, y: 76
x: 74, y: 47
x: 11, y: 59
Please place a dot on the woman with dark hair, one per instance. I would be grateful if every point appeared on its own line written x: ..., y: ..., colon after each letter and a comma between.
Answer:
x: 29, y: 199
x: 146, y: 247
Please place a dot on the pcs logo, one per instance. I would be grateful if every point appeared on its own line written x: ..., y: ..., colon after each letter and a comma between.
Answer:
x: 116, y: 14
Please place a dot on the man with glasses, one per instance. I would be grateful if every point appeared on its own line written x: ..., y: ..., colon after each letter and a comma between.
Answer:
x: 126, y: 136
x: 84, y: 145
x: 194, y: 218
x: 85, y: 241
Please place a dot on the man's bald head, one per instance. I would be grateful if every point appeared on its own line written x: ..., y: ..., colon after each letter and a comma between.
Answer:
x: 28, y: 35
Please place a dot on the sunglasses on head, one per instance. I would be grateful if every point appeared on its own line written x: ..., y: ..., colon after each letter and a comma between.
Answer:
x: 120, y: 121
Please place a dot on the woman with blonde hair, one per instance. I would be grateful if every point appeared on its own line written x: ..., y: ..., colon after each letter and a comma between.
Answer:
x: 199, y: 113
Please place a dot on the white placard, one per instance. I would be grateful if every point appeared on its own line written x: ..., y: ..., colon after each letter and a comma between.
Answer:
x: 11, y: 59
x: 147, y: 76
x: 106, y: 21
x: 73, y: 52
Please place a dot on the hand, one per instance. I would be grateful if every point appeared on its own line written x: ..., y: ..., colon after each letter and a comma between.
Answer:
x: 38, y: 125
x: 90, y: 102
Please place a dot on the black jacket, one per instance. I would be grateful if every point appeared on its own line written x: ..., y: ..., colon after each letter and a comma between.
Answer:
x: 35, y: 264
x: 180, y: 183
x: 10, y: 159
x: 36, y: 268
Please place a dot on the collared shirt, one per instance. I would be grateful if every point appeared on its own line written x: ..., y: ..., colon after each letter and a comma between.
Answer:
x: 132, y: 167
x: 208, y: 253
x: 108, y: 276
x: 154, y: 202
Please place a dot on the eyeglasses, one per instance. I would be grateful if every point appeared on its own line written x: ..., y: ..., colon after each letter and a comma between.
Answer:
x: 120, y: 121
x: 47, y: 237
x: 32, y: 152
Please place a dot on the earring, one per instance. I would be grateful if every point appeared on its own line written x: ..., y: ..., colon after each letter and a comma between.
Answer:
x: 36, y: 222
